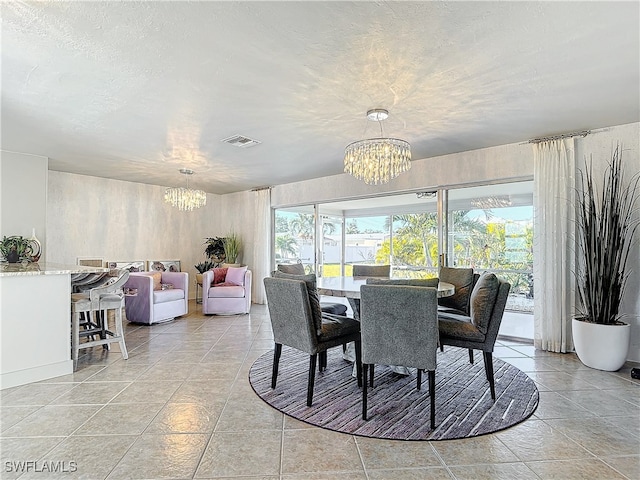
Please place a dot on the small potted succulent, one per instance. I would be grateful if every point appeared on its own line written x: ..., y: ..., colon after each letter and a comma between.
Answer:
x: 15, y: 248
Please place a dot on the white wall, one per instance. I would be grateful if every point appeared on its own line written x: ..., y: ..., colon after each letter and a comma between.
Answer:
x: 23, y: 196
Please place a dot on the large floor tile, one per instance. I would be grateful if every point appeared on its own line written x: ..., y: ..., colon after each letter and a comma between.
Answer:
x: 588, y: 468
x: 161, y: 457
x: 230, y: 454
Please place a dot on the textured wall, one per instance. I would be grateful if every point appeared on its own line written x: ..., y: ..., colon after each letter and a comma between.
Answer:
x: 119, y: 221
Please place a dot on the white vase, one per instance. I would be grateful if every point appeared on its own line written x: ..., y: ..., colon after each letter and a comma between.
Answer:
x: 600, y: 346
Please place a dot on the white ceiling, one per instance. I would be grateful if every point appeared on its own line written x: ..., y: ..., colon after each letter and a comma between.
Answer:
x: 136, y: 90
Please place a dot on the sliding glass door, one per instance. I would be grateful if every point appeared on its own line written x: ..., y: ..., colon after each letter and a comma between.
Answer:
x: 490, y: 228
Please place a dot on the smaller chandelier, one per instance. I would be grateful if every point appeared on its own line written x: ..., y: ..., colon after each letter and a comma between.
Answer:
x: 377, y: 160
x: 487, y: 203
x: 185, y: 199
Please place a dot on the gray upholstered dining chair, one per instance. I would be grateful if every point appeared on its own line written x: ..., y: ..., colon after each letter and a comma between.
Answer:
x: 327, y: 307
x: 478, y: 330
x: 372, y: 271
x: 297, y: 321
x: 399, y: 327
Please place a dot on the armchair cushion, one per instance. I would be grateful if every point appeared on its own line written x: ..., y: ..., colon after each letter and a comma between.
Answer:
x: 483, y: 298
x: 169, y: 295
x: 314, y: 299
x: 235, y: 275
x: 226, y: 290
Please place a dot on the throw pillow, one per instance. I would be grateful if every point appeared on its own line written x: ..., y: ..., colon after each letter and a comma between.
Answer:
x: 235, y: 275
x: 462, y: 278
x: 157, y: 280
x: 483, y: 299
x: 314, y: 300
x: 219, y: 275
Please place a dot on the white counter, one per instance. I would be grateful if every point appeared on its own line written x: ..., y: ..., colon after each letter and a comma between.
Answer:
x: 35, y: 321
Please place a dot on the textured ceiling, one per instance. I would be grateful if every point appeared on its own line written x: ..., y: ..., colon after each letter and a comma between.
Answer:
x: 136, y: 90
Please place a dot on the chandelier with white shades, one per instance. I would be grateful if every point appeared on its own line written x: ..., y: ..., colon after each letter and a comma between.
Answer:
x: 377, y: 160
x: 185, y: 199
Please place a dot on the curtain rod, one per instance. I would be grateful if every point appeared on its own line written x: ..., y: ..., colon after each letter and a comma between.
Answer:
x: 257, y: 189
x: 583, y: 133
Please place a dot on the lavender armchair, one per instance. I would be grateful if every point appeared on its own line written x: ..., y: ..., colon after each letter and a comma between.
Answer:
x: 224, y: 299
x: 152, y: 306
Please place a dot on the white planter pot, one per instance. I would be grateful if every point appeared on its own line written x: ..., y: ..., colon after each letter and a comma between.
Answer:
x: 604, y: 347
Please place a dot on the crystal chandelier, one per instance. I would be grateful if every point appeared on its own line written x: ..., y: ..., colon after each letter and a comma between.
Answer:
x: 377, y: 160
x: 185, y: 198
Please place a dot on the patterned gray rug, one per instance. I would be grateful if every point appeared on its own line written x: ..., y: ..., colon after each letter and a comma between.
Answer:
x: 397, y: 410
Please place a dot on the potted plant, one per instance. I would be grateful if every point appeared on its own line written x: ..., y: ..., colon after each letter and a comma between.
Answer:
x: 606, y: 226
x: 232, y: 246
x: 215, y: 250
x: 15, y: 248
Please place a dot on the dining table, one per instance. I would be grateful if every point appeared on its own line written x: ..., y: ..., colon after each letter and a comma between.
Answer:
x: 349, y: 287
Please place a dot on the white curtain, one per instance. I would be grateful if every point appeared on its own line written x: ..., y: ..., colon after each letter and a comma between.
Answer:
x: 553, y: 244
x: 261, y: 243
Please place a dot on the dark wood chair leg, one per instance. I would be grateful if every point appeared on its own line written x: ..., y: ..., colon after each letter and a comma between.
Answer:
x: 371, y: 373
x: 471, y: 355
x: 441, y: 347
x: 277, y: 350
x: 419, y: 380
x: 312, y: 377
x: 322, y: 364
x: 432, y: 396
x: 488, y: 367
x: 359, y: 362
x: 365, y: 369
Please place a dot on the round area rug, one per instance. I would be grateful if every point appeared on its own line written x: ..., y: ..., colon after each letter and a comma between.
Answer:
x: 396, y: 409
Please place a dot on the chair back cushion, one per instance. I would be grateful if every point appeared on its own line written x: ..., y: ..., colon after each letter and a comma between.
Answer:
x: 399, y: 325
x: 312, y: 291
x: 462, y: 279
x: 372, y: 270
x: 290, y: 313
x: 292, y: 269
x: 483, y: 299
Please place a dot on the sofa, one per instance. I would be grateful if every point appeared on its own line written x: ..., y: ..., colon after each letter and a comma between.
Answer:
x: 159, y: 296
x: 226, y: 291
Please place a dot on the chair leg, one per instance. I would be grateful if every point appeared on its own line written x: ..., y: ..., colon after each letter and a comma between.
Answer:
x: 419, y: 381
x: 322, y: 363
x: 441, y: 347
x: 371, y: 373
x: 277, y: 350
x: 432, y: 395
x: 120, y: 333
x: 471, y: 355
x: 358, y: 345
x: 365, y: 369
x: 488, y: 367
x: 312, y: 377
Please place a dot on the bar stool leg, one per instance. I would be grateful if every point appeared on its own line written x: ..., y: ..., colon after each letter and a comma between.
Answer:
x: 120, y: 333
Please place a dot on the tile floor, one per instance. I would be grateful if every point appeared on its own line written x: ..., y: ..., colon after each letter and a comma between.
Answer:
x: 181, y: 407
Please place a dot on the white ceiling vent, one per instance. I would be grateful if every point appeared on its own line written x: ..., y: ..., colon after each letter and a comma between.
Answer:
x: 240, y: 141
